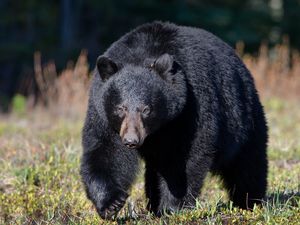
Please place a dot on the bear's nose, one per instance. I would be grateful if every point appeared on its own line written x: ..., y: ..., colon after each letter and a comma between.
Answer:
x: 130, y: 142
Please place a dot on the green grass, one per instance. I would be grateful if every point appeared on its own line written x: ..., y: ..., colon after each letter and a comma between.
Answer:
x: 40, y: 182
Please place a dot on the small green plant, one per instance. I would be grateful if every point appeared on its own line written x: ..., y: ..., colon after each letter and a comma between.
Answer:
x: 19, y: 104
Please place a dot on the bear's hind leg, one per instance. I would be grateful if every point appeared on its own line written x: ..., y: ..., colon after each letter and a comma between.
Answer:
x: 245, y: 177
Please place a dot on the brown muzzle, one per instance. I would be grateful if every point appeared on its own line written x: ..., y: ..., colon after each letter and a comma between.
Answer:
x: 132, y: 131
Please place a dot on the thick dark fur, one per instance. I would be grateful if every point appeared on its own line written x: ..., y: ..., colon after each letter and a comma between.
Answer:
x: 206, y: 117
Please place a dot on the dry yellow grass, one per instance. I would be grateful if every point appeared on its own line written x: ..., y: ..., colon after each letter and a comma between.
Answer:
x: 276, y: 71
x: 65, y: 94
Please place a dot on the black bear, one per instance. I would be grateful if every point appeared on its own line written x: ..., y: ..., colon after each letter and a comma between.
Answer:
x: 180, y: 99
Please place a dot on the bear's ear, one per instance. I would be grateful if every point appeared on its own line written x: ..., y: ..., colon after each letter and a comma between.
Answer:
x: 106, y: 67
x: 165, y: 65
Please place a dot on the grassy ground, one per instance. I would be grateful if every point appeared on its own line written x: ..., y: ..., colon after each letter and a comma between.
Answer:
x: 40, y: 182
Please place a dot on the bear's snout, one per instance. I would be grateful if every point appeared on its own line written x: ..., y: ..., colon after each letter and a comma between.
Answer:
x: 132, y: 131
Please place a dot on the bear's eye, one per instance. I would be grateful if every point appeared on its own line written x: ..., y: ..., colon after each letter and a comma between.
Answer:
x: 146, y: 111
x: 120, y: 110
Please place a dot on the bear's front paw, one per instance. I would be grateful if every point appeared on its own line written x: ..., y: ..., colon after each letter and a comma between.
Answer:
x: 113, y: 206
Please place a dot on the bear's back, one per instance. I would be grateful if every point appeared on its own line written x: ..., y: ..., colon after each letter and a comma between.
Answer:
x: 193, y: 48
x: 154, y: 39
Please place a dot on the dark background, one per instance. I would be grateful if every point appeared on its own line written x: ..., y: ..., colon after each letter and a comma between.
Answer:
x: 59, y: 29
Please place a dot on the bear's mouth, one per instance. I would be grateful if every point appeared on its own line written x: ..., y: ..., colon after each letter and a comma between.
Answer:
x: 132, y: 144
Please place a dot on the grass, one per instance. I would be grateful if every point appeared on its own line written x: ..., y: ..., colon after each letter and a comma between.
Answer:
x: 40, y: 182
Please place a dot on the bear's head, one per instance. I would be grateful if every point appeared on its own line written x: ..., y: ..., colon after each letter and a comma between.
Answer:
x: 138, y: 100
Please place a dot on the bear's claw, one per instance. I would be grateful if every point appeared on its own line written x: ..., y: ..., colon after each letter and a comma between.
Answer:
x: 112, y: 209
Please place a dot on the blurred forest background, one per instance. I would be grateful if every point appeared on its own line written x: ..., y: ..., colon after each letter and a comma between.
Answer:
x: 59, y: 30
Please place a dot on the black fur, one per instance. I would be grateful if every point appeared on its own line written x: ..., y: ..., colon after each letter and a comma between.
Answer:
x: 205, y: 116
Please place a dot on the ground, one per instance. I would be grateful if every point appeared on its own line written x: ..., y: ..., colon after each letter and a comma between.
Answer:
x: 40, y: 181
